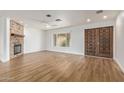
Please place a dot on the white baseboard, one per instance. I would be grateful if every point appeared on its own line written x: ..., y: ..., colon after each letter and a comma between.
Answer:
x: 4, y: 61
x: 76, y: 53
x: 33, y: 51
x: 117, y: 61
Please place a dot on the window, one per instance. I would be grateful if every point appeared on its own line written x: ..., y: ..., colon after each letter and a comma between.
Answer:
x: 62, y: 39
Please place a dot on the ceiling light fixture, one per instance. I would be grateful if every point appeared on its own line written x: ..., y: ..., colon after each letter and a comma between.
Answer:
x: 88, y: 20
x: 105, y: 17
x: 48, y: 26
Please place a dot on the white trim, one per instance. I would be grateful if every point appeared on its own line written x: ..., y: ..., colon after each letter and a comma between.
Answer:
x: 121, y: 67
x: 4, y: 60
x: 76, y: 53
x: 29, y: 52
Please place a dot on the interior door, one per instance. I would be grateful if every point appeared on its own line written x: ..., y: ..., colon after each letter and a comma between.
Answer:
x: 90, y: 42
x: 99, y: 42
x: 106, y: 42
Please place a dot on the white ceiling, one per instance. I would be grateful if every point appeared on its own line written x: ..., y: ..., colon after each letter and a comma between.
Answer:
x: 37, y: 18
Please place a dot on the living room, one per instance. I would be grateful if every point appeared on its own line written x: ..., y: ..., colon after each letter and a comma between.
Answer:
x: 61, y: 46
x: 52, y: 45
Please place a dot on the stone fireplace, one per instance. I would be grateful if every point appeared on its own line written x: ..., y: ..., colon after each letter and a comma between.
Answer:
x: 16, y: 39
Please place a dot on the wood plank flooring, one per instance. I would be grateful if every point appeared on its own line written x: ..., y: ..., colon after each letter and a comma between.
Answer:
x: 59, y: 67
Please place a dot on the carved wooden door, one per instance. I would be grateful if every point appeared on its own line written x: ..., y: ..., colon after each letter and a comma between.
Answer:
x: 90, y: 41
x: 99, y: 42
x: 106, y: 42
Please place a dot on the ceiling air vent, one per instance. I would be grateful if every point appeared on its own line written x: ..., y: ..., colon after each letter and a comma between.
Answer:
x: 48, y: 15
x: 99, y: 11
x: 58, y: 20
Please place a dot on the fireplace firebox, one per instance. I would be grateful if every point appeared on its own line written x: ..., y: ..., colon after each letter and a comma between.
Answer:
x: 17, y: 49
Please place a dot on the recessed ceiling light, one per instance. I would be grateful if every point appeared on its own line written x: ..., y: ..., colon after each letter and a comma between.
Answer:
x: 48, y: 26
x: 88, y: 20
x: 105, y: 17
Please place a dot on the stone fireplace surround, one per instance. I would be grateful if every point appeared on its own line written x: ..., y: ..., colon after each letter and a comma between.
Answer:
x: 16, y: 38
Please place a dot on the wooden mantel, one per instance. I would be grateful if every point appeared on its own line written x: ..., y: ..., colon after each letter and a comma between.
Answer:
x: 18, y: 35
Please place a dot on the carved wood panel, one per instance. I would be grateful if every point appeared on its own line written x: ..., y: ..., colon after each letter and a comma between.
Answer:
x: 90, y: 39
x: 99, y: 41
x: 106, y: 42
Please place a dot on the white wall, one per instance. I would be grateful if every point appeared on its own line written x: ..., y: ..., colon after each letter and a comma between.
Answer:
x: 34, y: 40
x: 76, y: 42
x: 4, y: 39
x: 77, y: 37
x: 120, y: 40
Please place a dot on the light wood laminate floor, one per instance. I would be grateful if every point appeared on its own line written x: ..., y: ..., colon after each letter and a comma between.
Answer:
x: 53, y: 66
